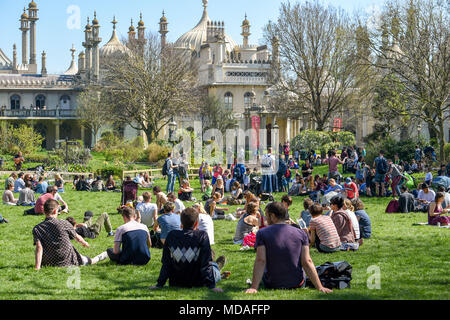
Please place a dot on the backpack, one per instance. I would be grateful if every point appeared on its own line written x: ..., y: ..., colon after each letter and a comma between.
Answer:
x: 393, y: 207
x: 165, y: 169
x: 156, y: 240
x: 182, y: 171
x: 237, y: 173
x: 333, y: 275
x: 382, y: 166
x: 206, y: 173
x: 288, y: 173
x: 266, y: 162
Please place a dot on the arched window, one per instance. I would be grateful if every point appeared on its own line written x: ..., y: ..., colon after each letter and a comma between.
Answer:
x: 64, y: 102
x: 40, y: 101
x: 15, y: 102
x: 229, y: 101
x: 248, y: 99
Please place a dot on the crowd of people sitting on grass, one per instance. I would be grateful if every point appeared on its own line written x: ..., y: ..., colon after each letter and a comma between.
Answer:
x: 333, y: 219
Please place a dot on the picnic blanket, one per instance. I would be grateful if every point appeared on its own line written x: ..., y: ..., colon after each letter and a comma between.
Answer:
x: 426, y: 224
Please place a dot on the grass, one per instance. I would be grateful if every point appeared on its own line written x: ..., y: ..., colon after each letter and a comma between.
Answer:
x: 414, y: 260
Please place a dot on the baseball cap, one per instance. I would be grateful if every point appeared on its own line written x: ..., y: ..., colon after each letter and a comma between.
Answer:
x: 348, y: 180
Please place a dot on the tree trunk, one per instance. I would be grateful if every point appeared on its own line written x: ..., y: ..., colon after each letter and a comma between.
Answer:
x: 441, y: 142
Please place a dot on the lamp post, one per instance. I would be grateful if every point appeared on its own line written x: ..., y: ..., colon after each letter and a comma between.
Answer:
x: 172, y: 128
x: 276, y: 137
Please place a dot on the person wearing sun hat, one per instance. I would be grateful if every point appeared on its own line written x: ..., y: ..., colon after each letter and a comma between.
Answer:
x: 351, y: 189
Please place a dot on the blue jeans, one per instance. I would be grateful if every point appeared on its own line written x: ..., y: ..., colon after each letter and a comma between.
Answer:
x: 267, y: 183
x: 216, y: 271
x: 170, y: 182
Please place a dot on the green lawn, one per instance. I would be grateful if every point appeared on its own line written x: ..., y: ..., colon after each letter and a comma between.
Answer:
x: 414, y: 260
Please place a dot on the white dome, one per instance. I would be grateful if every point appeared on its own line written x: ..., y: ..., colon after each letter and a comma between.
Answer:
x: 196, y: 37
x: 113, y: 46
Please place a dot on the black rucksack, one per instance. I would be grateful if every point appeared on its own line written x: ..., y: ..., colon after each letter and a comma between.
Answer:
x: 165, y: 169
x: 382, y: 166
x: 333, y: 275
x: 182, y: 171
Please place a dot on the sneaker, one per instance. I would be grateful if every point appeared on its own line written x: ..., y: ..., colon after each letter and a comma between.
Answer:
x: 221, y: 262
x: 110, y: 234
x: 230, y: 217
x: 244, y: 248
x: 5, y: 220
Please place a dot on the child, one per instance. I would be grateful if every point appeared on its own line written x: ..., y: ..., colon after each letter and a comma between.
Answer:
x: 305, y: 216
x: 208, y: 190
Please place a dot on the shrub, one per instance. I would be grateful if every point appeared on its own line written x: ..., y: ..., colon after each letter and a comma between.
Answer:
x: 24, y: 139
x: 404, y: 148
x: 156, y: 152
x: 75, y: 154
x: 110, y: 170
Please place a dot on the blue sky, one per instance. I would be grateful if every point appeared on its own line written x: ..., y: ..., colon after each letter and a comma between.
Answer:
x: 56, y: 37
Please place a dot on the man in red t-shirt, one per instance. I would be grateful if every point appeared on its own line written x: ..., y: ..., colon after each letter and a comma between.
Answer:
x: 39, y: 207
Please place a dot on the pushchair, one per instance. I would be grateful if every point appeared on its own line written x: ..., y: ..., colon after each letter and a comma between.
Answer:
x: 129, y: 191
x: 256, y: 185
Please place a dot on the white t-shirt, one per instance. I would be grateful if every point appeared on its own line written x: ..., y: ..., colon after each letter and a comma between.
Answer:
x: 147, y: 211
x: 426, y: 196
x: 179, y: 206
x: 58, y: 198
x: 429, y: 176
x: 355, y: 223
x: 130, y: 226
x: 205, y: 223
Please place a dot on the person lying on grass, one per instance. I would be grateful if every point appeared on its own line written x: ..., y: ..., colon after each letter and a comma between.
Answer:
x: 52, y: 239
x: 187, y: 257
x: 91, y: 230
x: 282, y: 251
x: 131, y: 242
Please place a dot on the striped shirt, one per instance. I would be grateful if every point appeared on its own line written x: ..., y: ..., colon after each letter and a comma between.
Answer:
x: 326, y: 231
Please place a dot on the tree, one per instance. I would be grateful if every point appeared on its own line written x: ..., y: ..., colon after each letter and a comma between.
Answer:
x: 150, y: 85
x: 419, y: 56
x: 93, y: 110
x: 390, y: 104
x: 215, y: 116
x: 317, y: 52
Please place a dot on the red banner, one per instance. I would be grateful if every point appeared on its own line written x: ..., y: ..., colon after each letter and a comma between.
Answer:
x: 256, y: 124
x: 337, y: 124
